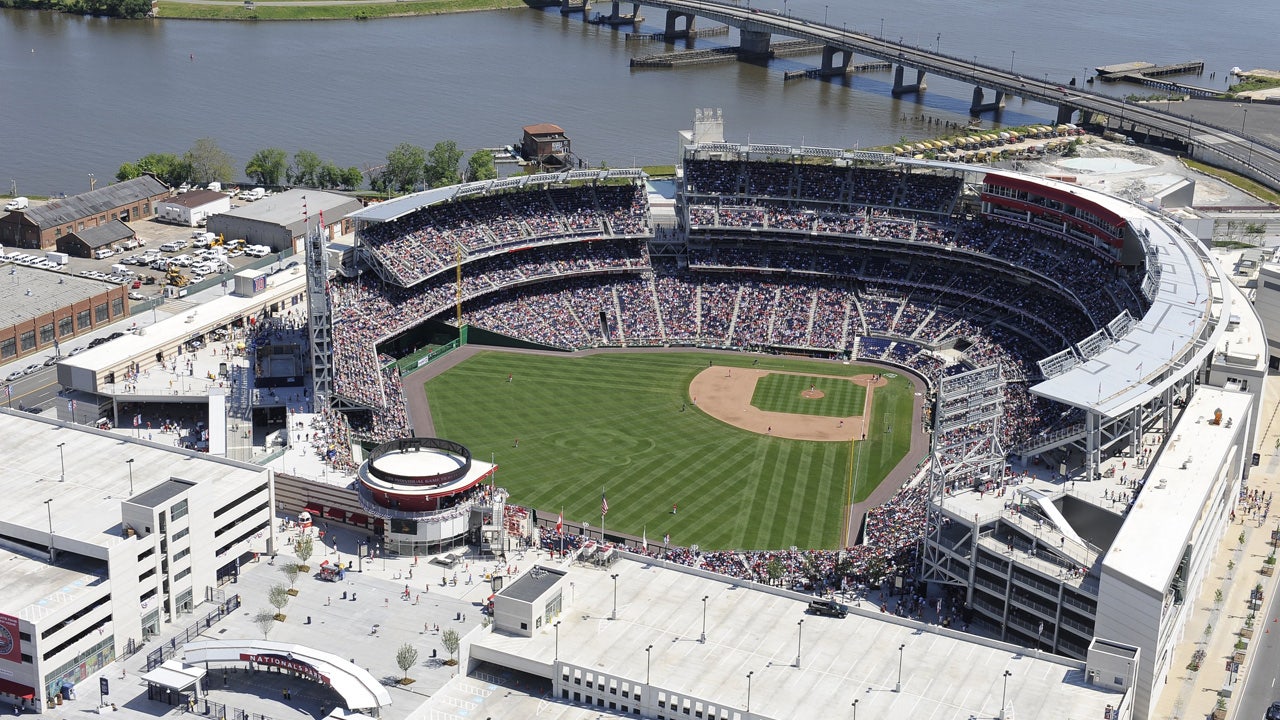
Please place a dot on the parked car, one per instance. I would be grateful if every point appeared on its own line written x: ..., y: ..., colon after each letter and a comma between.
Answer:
x: 13, y: 375
x: 52, y: 360
x: 32, y: 369
x: 829, y: 608
x: 137, y: 296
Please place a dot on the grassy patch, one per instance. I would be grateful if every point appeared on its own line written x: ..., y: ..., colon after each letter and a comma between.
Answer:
x: 237, y: 11
x: 1254, y: 83
x: 613, y: 423
x: 1253, y: 188
x: 659, y: 171
x: 782, y: 393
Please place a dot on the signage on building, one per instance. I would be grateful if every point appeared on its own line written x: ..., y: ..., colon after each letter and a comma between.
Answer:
x: 10, y: 641
x: 286, y: 663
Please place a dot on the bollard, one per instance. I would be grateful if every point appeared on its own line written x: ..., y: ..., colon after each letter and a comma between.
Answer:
x: 344, y: 594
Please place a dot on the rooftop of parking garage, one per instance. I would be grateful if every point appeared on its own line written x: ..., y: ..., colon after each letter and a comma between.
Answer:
x: 749, y: 629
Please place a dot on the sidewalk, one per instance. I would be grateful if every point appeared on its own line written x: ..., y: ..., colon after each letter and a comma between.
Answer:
x: 1216, y: 621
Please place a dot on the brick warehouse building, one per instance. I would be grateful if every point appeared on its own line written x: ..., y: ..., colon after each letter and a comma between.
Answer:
x: 38, y: 228
x: 51, y: 308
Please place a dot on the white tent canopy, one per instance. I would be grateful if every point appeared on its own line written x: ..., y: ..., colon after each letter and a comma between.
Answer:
x: 359, y: 689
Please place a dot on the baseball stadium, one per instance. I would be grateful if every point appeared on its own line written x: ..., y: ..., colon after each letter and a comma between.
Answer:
x: 835, y: 367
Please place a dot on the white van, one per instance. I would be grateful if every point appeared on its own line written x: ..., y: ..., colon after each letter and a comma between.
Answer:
x: 103, y: 253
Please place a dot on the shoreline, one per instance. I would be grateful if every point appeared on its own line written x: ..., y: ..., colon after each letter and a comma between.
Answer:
x: 309, y: 10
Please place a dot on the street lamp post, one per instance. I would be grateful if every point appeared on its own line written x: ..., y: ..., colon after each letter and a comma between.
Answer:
x: 1004, y: 693
x: 1012, y: 54
x: 129, y: 462
x: 62, y: 460
x: 749, y: 674
x: 898, y: 687
x: 614, y: 616
x: 49, y: 511
x: 799, y: 638
x: 557, y: 627
x: 703, y: 638
x: 937, y: 46
x: 648, y: 655
x: 881, y: 28
x: 855, y: 710
x: 825, y: 8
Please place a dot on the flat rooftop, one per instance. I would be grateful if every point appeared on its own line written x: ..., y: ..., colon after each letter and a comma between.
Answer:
x: 33, y: 292
x: 196, y: 322
x: 1151, y: 542
x: 86, y: 506
x: 946, y: 675
x: 286, y: 208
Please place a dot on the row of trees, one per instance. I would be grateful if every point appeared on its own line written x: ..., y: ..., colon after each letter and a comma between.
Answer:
x: 408, y: 168
x: 132, y: 9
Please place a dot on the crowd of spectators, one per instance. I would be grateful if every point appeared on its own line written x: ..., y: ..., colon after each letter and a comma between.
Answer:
x: 842, y: 188
x: 891, y: 532
x: 416, y: 246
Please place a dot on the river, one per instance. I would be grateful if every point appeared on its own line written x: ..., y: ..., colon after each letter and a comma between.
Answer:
x: 80, y: 96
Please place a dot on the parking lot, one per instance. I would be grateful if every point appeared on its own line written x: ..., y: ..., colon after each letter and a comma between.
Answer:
x: 160, y: 245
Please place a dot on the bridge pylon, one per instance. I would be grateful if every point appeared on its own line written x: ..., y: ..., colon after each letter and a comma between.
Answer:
x: 900, y: 88
x: 572, y: 6
x: 835, y: 61
x: 672, y: 29
x: 978, y: 106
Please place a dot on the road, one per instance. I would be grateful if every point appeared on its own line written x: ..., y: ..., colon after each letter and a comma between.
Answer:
x: 1260, y: 156
x: 1262, y: 685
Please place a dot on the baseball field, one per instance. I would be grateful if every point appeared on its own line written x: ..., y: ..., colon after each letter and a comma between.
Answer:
x: 632, y: 426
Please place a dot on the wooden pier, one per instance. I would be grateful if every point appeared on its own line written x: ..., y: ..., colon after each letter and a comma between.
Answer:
x: 1123, y: 70
x: 682, y: 58
x: 817, y: 72
x: 660, y: 37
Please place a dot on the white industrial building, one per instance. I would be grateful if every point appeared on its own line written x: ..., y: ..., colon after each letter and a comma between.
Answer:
x: 105, y: 539
x: 192, y: 208
x: 280, y: 221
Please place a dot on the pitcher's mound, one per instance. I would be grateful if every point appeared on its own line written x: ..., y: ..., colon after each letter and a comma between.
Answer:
x: 812, y: 394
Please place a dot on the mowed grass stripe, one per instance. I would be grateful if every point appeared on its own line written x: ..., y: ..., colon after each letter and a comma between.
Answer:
x: 613, y: 422
x: 784, y: 393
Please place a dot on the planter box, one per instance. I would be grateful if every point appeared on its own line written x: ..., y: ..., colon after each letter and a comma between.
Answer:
x: 1268, y: 570
x: 1246, y: 632
x: 1238, y: 656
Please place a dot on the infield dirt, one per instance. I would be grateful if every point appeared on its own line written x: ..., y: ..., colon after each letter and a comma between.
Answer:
x: 725, y: 394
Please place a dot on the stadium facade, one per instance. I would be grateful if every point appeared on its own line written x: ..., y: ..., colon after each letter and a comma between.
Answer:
x: 1075, y: 344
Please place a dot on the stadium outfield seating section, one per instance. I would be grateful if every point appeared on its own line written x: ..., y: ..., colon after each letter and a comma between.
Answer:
x: 415, y: 247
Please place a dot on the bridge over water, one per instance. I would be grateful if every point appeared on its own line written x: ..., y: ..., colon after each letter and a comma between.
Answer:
x: 1217, y: 145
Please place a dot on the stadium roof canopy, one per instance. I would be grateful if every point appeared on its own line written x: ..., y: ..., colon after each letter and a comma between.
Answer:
x: 401, y: 206
x: 1178, y: 329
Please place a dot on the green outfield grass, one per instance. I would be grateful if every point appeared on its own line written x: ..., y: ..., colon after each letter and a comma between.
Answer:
x: 782, y: 393
x: 613, y: 423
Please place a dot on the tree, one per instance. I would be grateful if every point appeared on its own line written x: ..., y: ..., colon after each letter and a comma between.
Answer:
x: 265, y: 620
x: 352, y: 178
x: 449, y: 638
x: 305, y: 168
x: 441, y: 166
x: 480, y: 166
x: 279, y: 597
x: 128, y: 171
x: 330, y: 175
x: 302, y: 547
x: 291, y: 571
x: 404, y: 167
x: 406, y: 657
x: 774, y: 569
x: 267, y: 166
x: 209, y: 163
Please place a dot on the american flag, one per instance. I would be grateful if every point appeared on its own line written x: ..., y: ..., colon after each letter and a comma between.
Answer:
x: 604, y: 505
x: 560, y: 522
